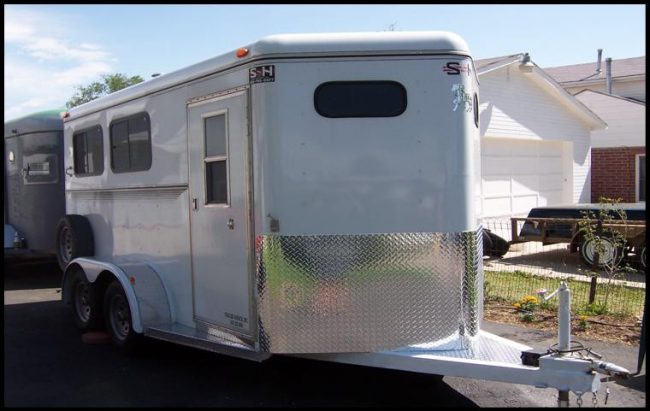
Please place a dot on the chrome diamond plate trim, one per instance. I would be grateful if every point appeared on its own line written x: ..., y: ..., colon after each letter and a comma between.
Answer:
x: 361, y: 293
x: 483, y: 347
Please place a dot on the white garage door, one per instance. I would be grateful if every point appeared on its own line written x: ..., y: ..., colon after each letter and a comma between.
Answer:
x: 517, y: 175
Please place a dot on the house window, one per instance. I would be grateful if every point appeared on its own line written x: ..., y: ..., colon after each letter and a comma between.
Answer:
x: 216, y: 159
x: 131, y: 144
x: 88, y: 152
x: 339, y: 99
x: 640, y: 177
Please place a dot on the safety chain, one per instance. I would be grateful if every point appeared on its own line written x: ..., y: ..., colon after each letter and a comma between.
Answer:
x: 594, y: 398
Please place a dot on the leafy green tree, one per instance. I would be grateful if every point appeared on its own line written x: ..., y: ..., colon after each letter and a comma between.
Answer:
x: 110, y: 83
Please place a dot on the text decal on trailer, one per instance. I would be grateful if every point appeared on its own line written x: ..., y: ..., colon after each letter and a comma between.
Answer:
x: 261, y: 74
x: 455, y: 68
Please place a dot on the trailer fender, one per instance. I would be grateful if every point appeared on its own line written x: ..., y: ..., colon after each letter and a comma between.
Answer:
x: 147, y: 296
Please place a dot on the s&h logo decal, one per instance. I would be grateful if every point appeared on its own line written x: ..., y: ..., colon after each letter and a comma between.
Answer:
x: 261, y: 74
x: 454, y: 68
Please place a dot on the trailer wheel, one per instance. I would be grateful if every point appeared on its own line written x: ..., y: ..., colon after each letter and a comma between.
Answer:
x: 610, y: 255
x: 117, y: 316
x: 86, y: 305
x: 642, y: 257
x: 74, y: 238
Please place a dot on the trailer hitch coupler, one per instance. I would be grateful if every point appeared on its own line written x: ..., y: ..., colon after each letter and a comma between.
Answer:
x: 611, y: 369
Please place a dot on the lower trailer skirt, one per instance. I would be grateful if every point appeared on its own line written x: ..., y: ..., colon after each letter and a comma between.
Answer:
x: 362, y: 293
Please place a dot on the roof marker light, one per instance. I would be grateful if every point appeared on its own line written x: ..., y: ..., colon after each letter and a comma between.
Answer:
x: 242, y: 52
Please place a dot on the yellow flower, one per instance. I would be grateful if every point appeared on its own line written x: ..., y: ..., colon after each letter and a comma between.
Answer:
x: 583, y: 318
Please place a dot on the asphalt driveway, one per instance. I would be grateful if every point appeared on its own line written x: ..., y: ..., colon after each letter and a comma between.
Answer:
x: 47, y: 365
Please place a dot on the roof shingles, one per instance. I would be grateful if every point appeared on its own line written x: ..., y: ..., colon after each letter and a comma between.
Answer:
x: 587, y: 72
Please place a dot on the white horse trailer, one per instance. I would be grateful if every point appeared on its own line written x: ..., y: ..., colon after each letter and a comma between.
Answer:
x: 307, y: 195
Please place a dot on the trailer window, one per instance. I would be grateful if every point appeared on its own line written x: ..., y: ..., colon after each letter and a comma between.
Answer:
x: 88, y: 152
x: 131, y: 144
x: 339, y: 99
x: 216, y: 159
x: 476, y: 115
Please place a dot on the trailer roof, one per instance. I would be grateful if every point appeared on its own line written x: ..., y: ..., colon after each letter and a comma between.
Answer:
x: 293, y: 45
x: 49, y: 120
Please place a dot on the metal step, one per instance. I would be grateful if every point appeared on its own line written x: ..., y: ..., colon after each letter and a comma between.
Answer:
x: 192, y: 337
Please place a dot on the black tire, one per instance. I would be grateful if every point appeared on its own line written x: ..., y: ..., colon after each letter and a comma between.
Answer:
x: 118, y: 320
x: 612, y: 255
x: 86, y: 303
x: 498, y: 246
x: 487, y: 243
x: 74, y: 238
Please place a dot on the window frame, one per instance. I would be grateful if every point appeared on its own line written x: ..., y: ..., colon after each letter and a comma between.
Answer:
x: 363, y: 115
x: 637, y: 176
x: 213, y: 159
x: 74, y: 148
x: 110, y: 140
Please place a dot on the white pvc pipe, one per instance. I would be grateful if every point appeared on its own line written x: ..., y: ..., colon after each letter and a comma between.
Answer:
x: 564, y: 314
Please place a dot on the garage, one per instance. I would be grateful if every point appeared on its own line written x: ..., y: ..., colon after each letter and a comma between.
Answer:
x: 535, y: 144
x: 517, y: 175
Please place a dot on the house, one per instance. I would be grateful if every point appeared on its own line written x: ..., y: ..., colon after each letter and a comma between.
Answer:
x: 618, y: 153
x: 535, y: 139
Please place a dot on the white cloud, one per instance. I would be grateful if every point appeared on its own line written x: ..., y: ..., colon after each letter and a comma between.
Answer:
x: 43, y: 64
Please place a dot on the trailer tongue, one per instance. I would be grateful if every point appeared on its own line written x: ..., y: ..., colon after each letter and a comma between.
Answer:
x: 566, y: 367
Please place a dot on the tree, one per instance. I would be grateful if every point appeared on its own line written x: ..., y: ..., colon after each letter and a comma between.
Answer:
x: 110, y: 83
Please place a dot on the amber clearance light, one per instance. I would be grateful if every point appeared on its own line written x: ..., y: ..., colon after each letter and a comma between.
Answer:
x: 242, y: 52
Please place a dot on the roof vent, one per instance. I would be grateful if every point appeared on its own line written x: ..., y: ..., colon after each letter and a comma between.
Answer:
x: 526, y: 65
x: 600, y: 58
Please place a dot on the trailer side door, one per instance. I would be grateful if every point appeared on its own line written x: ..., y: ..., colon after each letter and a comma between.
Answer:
x: 219, y: 212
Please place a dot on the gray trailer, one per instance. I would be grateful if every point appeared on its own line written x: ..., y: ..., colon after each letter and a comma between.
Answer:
x: 34, y: 195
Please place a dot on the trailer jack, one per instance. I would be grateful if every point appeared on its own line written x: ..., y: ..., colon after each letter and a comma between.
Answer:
x: 565, y: 348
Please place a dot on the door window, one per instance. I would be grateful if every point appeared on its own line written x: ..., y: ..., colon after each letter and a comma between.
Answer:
x: 216, y: 159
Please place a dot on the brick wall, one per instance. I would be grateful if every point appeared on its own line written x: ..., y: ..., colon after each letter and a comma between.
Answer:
x: 613, y: 172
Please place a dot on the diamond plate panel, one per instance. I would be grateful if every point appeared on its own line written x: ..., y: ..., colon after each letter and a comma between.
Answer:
x: 360, y: 293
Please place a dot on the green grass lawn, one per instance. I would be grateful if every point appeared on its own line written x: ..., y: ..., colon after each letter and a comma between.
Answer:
x: 513, y: 286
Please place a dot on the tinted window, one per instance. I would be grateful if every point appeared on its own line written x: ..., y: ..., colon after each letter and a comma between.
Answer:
x: 131, y: 144
x: 338, y: 99
x: 476, y: 115
x: 88, y: 152
x: 217, y: 182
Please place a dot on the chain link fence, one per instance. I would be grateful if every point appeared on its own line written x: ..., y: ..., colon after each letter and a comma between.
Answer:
x: 530, y: 267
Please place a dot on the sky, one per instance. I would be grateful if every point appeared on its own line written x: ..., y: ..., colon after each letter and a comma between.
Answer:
x: 50, y: 50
